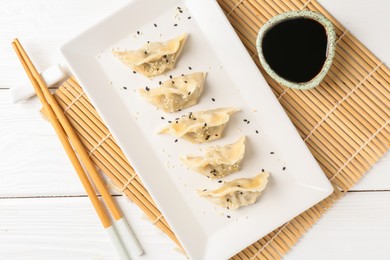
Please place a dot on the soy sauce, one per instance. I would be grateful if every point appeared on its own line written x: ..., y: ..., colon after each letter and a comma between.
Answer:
x: 296, y: 49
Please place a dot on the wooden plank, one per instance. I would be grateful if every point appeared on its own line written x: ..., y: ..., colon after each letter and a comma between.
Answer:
x: 32, y: 160
x: 68, y: 228
x: 42, y: 26
x: 356, y: 227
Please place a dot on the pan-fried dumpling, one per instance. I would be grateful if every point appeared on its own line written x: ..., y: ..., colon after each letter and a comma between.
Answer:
x: 200, y: 127
x: 153, y: 58
x: 176, y: 94
x: 219, y: 161
x: 239, y: 192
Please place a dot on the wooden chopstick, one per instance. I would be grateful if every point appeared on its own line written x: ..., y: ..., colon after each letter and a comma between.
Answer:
x: 67, y: 146
x: 60, y: 123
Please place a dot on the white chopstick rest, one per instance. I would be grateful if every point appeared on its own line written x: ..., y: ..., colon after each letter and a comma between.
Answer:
x: 117, y: 243
x: 128, y: 238
x: 51, y: 76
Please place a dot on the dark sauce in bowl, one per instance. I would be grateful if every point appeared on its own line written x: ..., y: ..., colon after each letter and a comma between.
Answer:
x: 296, y: 49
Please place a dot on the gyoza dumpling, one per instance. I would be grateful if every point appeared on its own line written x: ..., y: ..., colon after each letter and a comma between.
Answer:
x: 176, y: 94
x: 239, y: 192
x: 200, y: 127
x: 153, y: 58
x: 219, y: 161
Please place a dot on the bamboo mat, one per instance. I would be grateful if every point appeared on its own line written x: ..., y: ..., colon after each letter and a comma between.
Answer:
x: 344, y: 122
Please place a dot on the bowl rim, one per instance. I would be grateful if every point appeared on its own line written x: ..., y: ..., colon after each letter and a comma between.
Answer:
x: 290, y: 15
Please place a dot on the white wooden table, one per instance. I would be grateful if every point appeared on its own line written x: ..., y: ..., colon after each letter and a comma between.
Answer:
x: 44, y: 212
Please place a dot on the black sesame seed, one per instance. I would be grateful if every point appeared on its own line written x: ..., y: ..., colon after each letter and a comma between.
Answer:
x: 166, y: 60
x: 194, y: 118
x: 179, y: 110
x: 124, y: 87
x: 179, y: 7
x: 173, y: 82
x: 227, y: 207
x: 148, y: 42
x: 284, y: 168
x: 204, y: 189
x: 177, y: 122
x: 189, y: 93
x: 147, y: 88
x: 185, y: 81
x: 227, y: 200
x: 248, y: 122
x: 205, y: 124
x: 175, y: 24
x: 207, y: 137
x: 213, y: 99
x: 257, y: 131
x: 159, y: 82
x: 245, y: 120
x: 176, y: 140
x: 214, y: 174
x: 189, y: 17
x: 219, y: 181
x: 228, y: 216
x: 181, y: 11
x: 155, y: 25
x: 189, y: 68
x: 271, y: 152
x: 164, y: 56
x: 216, y: 134
x: 262, y: 170
x: 169, y: 121
x: 170, y: 76
x: 138, y: 32
x: 182, y: 75
x: 208, y: 176
x: 162, y: 118
x: 145, y: 52
x: 241, y: 192
x: 238, y: 185
x: 134, y: 72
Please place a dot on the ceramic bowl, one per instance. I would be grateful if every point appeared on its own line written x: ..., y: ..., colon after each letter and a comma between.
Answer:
x: 331, y: 37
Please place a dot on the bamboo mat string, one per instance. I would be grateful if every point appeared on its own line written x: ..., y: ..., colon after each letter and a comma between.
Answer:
x: 128, y: 182
x: 228, y: 14
x: 341, y: 101
x: 359, y: 150
x: 270, y: 240
x: 306, y: 4
x: 157, y: 219
x: 341, y: 36
x: 73, y: 102
x: 99, y: 144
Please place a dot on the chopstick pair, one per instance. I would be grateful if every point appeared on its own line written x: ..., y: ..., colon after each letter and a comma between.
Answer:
x: 119, y: 231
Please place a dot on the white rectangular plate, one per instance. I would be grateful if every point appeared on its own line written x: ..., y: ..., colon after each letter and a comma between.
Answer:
x: 233, y: 80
